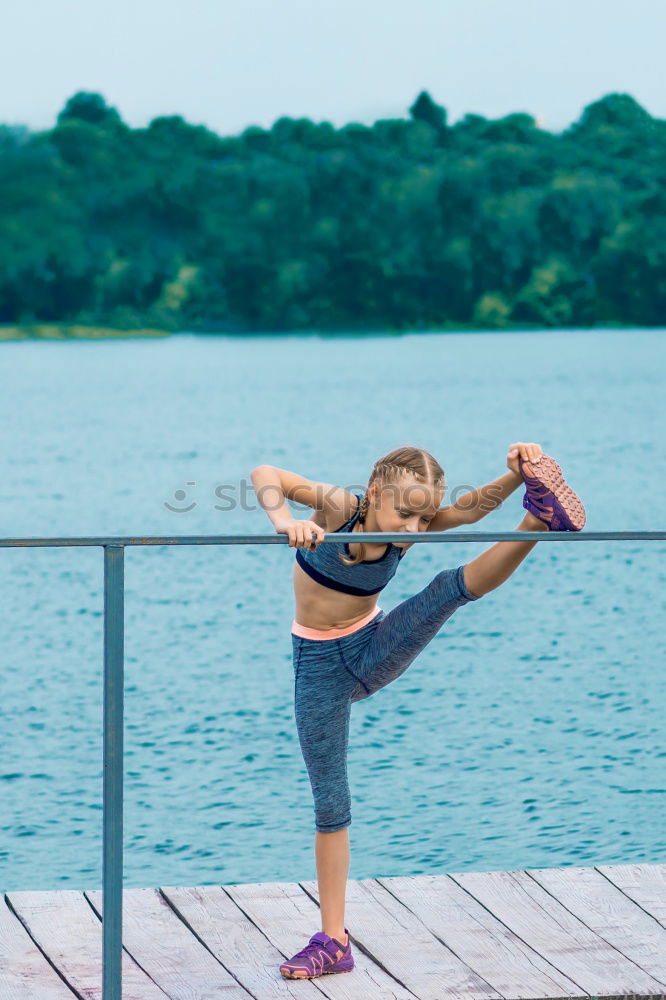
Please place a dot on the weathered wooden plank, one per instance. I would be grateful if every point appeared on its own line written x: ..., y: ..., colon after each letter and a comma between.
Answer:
x: 288, y: 918
x: 65, y: 927
x: 167, y: 949
x: 243, y: 949
x: 481, y: 941
x: 399, y: 941
x: 613, y: 916
x: 24, y: 972
x: 644, y: 883
x: 557, y: 935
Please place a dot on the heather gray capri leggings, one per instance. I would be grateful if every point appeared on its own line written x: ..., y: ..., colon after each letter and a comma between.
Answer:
x: 331, y: 673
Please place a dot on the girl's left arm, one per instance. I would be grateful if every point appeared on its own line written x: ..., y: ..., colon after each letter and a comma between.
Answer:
x: 472, y: 506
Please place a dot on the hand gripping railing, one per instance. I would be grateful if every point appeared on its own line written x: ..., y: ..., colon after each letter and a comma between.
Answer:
x: 114, y: 638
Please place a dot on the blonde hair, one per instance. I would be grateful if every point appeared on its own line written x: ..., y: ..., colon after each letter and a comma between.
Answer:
x: 391, y: 468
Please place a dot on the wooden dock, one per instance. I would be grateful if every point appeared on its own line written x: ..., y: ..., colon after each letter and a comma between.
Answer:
x: 544, y: 932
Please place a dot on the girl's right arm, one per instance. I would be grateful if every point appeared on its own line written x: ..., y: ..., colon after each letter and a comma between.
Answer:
x: 273, y: 486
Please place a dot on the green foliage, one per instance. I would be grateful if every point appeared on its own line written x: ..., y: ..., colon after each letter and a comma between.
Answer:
x: 555, y: 295
x: 424, y: 109
x: 88, y: 107
x: 615, y: 110
x: 492, y: 310
x: 410, y: 223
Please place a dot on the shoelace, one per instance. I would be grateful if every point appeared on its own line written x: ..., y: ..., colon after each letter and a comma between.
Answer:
x: 313, y: 949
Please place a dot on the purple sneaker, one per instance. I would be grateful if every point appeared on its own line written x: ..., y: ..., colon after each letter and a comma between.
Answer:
x: 549, y: 498
x: 322, y: 955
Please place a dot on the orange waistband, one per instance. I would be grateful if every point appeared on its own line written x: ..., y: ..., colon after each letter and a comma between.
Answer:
x: 332, y: 633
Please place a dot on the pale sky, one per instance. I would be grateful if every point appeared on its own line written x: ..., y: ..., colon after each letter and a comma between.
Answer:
x: 233, y: 63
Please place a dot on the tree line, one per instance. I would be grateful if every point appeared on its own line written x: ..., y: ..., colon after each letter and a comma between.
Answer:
x: 410, y: 223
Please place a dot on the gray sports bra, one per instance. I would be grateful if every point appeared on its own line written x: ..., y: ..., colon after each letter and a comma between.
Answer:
x: 365, y: 578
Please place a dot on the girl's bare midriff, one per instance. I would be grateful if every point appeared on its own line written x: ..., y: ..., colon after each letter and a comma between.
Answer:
x: 322, y: 607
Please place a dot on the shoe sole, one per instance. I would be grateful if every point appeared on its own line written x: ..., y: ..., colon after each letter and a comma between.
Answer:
x: 326, y: 972
x: 550, y: 475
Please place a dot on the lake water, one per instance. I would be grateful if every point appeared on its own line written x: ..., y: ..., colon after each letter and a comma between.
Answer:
x: 529, y: 733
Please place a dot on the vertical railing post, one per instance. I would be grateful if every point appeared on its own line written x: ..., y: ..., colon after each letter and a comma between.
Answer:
x: 112, y: 816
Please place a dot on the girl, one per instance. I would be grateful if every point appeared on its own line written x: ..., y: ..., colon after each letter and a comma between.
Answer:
x: 346, y: 648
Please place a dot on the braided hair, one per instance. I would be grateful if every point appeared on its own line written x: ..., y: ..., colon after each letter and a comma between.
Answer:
x: 364, y: 508
x: 390, y: 469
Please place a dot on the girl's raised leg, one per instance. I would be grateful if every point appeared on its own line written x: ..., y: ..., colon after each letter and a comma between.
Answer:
x: 401, y: 634
x: 497, y: 563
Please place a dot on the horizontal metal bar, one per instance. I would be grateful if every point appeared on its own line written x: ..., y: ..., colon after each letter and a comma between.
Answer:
x: 372, y: 537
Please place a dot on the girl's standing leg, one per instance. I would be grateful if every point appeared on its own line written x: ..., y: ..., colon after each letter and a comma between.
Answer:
x: 322, y: 705
x: 332, y: 857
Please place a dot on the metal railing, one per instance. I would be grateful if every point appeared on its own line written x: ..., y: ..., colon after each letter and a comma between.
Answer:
x: 114, y: 639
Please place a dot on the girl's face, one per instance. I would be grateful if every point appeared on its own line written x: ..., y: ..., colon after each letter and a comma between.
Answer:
x: 406, y: 506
